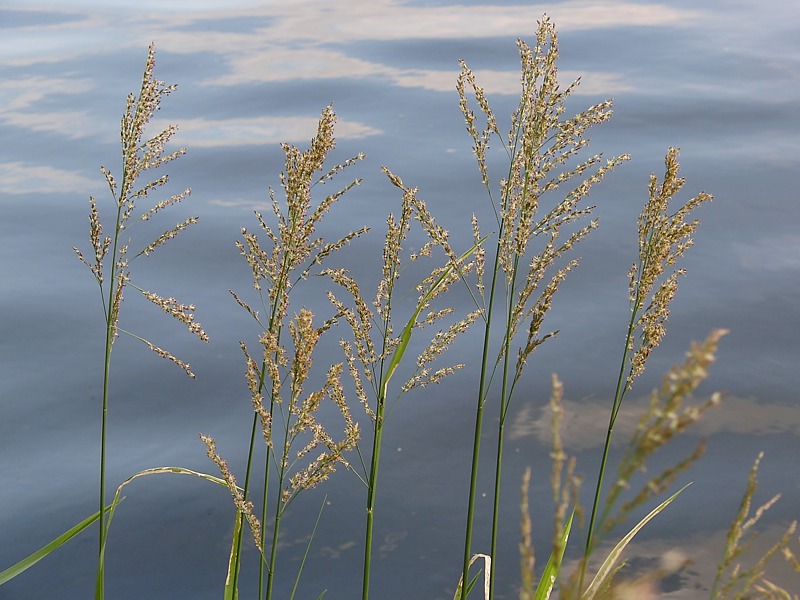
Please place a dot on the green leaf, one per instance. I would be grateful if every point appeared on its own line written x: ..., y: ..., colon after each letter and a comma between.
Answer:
x: 607, y: 568
x: 231, y: 589
x: 553, y: 567
x: 31, y: 560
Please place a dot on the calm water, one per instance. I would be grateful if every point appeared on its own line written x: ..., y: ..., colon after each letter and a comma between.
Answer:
x: 721, y: 81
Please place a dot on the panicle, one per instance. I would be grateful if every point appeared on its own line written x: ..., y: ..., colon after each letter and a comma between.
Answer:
x: 360, y: 320
x: 293, y: 250
x: 663, y: 238
x: 164, y: 354
x: 734, y: 581
x: 182, y: 312
x: 244, y: 506
x: 466, y: 78
x: 253, y: 377
x: 564, y: 484
x: 138, y: 155
x: 526, y: 550
x: 436, y: 347
x: 319, y: 469
x: 544, y: 149
x: 396, y: 232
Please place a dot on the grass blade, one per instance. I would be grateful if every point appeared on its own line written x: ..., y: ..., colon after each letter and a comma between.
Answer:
x: 111, y: 508
x: 31, y: 560
x: 553, y: 567
x: 308, y: 547
x: 231, y: 589
x: 607, y: 567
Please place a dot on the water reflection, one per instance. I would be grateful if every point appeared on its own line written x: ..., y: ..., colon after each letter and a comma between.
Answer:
x: 719, y: 80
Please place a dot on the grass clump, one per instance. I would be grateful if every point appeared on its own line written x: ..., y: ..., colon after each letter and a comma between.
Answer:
x: 510, y: 275
x: 537, y: 227
x: 374, y: 362
x: 285, y: 412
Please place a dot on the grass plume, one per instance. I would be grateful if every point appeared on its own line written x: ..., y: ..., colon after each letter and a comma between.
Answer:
x: 733, y: 581
x: 284, y: 410
x: 113, y: 255
x: 663, y: 237
x: 538, y: 211
x: 374, y: 362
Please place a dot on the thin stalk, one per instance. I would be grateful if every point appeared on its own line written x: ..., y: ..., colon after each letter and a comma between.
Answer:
x: 246, y: 488
x: 371, y: 492
x: 245, y: 491
x: 273, y: 554
x: 505, y: 399
x: 109, y: 343
x: 476, y: 443
x: 102, y: 520
x: 264, y: 498
x: 483, y: 390
x: 380, y: 410
x: 284, y: 276
x: 265, y: 493
x: 619, y: 393
x: 279, y: 508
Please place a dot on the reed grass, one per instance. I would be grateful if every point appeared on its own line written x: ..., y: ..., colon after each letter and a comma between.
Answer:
x: 540, y: 215
x: 114, y: 254
x: 284, y: 411
x: 663, y: 237
x: 374, y: 362
x: 533, y: 220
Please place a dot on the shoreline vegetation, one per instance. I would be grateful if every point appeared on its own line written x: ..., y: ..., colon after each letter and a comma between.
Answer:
x: 510, y: 274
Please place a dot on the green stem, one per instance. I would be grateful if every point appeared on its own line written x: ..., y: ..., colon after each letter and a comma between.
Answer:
x: 476, y: 442
x: 619, y: 393
x: 265, y: 491
x: 505, y: 399
x: 371, y: 493
x: 264, y: 498
x: 246, y: 488
x: 273, y: 554
x: 99, y: 590
x: 279, y: 505
x: 248, y: 471
x: 109, y: 343
x: 496, y: 504
x: 273, y: 315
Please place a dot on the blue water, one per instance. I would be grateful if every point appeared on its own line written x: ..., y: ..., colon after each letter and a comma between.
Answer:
x: 721, y: 81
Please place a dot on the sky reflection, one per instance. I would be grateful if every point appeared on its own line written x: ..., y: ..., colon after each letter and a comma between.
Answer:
x: 719, y: 78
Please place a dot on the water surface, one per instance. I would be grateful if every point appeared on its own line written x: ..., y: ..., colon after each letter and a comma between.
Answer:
x: 722, y: 81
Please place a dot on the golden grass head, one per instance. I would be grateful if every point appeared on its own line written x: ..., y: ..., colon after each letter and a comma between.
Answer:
x: 305, y: 412
x: 544, y: 148
x: 293, y: 250
x: 139, y: 154
x: 245, y: 507
x: 663, y: 238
